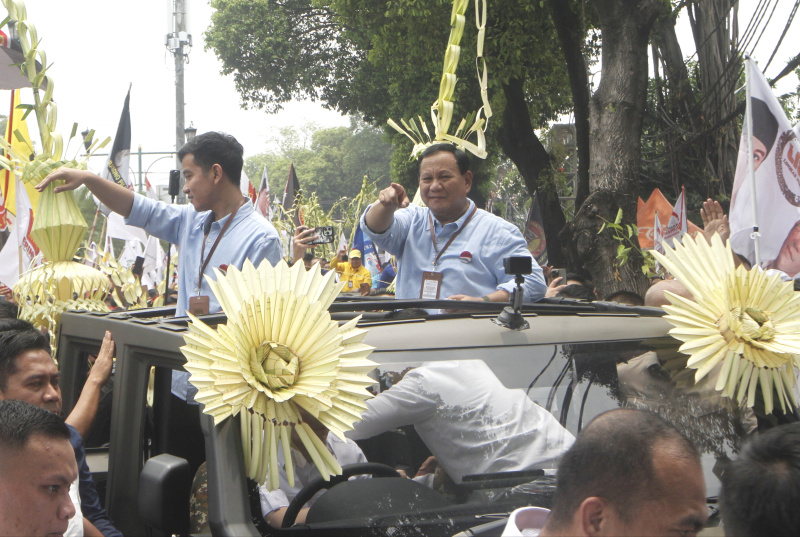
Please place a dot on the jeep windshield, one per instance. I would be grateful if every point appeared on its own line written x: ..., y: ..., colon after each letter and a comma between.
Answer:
x: 572, y: 364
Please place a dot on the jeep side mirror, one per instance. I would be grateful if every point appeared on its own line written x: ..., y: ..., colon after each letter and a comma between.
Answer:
x: 165, y: 485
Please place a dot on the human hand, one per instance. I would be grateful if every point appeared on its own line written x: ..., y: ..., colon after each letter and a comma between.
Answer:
x: 393, y: 197
x: 714, y: 220
x: 302, y: 236
x: 427, y: 467
x: 101, y: 370
x: 546, y: 270
x: 72, y: 179
x: 553, y: 288
x: 464, y: 297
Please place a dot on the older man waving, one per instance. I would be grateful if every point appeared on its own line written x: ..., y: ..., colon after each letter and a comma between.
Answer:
x: 449, y: 249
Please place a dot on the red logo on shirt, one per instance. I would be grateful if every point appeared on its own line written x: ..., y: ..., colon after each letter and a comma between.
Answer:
x: 466, y: 257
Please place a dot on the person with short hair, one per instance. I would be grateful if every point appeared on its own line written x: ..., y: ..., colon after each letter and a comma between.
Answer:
x: 450, y: 248
x: 28, y: 373
x: 356, y: 276
x: 761, y: 489
x: 37, y: 466
x: 218, y: 228
x: 629, y: 472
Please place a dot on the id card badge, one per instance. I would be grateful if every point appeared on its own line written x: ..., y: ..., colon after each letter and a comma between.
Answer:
x: 431, y: 285
x: 350, y: 284
x: 198, y: 305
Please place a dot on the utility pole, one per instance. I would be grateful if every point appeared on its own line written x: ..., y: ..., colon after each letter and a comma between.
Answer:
x: 179, y: 43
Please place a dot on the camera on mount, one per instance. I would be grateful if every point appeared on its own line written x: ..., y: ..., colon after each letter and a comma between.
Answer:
x: 511, y: 316
x: 518, y: 265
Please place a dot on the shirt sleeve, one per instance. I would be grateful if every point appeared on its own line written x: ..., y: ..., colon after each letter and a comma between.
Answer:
x: 90, y: 500
x: 161, y: 219
x: 405, y: 403
x: 269, y: 249
x: 392, y: 240
x: 271, y: 500
x: 534, y: 286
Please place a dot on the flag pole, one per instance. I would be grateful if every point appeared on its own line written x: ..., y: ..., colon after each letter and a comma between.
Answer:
x: 750, y: 159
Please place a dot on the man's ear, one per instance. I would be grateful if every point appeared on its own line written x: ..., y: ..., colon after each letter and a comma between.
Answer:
x: 218, y: 173
x: 595, y: 517
x: 468, y: 179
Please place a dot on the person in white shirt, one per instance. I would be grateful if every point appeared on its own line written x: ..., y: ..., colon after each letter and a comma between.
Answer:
x: 468, y: 419
x: 275, y: 503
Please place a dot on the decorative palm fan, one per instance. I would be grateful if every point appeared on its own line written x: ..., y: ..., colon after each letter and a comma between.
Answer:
x: 744, y: 319
x: 279, y: 352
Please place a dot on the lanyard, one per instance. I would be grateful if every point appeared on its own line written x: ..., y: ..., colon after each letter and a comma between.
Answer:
x: 433, y: 238
x: 214, y: 246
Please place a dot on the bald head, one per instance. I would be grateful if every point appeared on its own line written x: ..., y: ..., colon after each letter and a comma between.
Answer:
x: 614, y: 458
x: 656, y: 296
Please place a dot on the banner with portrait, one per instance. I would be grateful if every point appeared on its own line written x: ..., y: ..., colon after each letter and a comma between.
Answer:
x: 776, y: 158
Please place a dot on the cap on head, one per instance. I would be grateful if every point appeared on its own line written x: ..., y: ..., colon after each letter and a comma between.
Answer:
x: 355, y: 253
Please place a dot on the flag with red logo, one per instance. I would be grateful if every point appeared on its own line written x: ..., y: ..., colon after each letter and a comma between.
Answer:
x: 534, y: 233
x: 766, y: 207
x: 262, y: 201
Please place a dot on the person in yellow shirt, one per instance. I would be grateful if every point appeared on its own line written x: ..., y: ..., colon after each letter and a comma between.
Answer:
x: 355, y: 275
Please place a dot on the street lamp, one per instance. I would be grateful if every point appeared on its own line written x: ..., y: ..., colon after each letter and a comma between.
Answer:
x: 190, y: 132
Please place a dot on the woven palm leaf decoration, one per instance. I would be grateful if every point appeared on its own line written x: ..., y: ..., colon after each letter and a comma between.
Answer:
x: 443, y: 107
x: 746, y: 320
x: 279, y: 352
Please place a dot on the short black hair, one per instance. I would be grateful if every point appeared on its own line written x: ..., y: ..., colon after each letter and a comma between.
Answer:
x: 577, y: 290
x: 765, y: 126
x: 578, y: 278
x: 627, y: 297
x: 612, y: 458
x: 19, y: 421
x: 462, y: 159
x: 16, y: 337
x: 216, y: 148
x: 761, y: 488
x: 8, y: 310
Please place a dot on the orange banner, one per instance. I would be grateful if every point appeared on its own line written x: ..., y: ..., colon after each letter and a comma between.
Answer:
x: 646, y: 213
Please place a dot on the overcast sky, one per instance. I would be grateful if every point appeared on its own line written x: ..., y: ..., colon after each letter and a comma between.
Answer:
x: 99, y: 47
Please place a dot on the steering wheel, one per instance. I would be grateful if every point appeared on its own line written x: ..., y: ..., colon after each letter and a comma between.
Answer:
x: 317, y: 484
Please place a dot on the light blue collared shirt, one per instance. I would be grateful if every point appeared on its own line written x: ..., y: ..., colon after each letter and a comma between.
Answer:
x: 250, y: 236
x: 472, y: 265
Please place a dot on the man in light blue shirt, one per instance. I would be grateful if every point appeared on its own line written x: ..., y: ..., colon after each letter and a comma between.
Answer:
x: 449, y: 249
x: 217, y: 229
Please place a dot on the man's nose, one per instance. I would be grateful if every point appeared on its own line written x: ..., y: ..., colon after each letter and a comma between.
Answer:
x: 67, y: 509
x: 51, y: 394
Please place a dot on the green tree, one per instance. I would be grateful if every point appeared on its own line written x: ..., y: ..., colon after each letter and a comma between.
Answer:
x: 330, y: 162
x: 381, y: 60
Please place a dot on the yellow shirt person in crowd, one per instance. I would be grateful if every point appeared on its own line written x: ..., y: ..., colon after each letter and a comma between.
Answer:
x: 355, y: 275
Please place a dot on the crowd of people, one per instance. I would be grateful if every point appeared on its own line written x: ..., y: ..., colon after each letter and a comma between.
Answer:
x: 628, y: 473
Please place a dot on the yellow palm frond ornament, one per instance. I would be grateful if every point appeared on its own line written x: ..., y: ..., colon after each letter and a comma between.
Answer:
x: 442, y: 108
x: 279, y: 354
x: 745, y: 320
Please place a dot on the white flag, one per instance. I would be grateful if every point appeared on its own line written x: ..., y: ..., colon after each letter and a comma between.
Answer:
x: 153, y: 266
x: 776, y: 155
x: 677, y: 226
x: 20, y: 241
x: 130, y: 252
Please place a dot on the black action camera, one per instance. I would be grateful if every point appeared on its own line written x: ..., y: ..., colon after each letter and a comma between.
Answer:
x: 518, y: 265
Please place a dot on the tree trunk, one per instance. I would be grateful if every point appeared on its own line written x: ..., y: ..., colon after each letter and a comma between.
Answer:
x: 571, y: 34
x: 523, y: 147
x: 617, y: 110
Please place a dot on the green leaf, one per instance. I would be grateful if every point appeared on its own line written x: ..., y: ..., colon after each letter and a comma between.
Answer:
x: 618, y: 219
x: 602, y: 228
